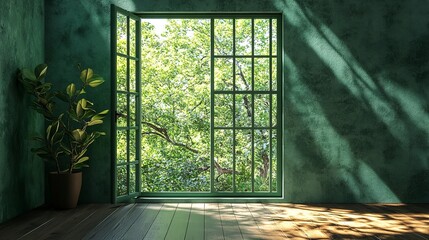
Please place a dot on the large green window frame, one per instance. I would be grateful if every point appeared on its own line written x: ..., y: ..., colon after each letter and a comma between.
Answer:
x: 255, y: 93
x: 126, y: 71
x: 250, y: 93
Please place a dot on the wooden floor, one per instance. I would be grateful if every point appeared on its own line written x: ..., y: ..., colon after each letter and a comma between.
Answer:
x: 222, y: 221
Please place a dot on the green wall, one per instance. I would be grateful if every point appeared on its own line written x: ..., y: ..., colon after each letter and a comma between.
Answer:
x: 355, y: 102
x: 21, y: 45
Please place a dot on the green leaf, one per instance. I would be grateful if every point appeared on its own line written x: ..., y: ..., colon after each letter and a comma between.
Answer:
x: 86, y: 74
x: 95, y: 83
x: 100, y: 115
x: 71, y: 89
x: 82, y: 159
x: 40, y: 71
x: 95, y: 122
x: 79, y: 135
x: 79, y: 109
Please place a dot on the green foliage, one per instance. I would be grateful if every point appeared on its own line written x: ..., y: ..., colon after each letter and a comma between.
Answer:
x: 176, y: 104
x: 67, y: 137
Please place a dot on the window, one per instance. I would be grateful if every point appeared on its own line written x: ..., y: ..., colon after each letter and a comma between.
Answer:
x: 202, y: 117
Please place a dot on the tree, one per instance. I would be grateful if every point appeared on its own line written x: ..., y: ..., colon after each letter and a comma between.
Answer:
x: 176, y: 106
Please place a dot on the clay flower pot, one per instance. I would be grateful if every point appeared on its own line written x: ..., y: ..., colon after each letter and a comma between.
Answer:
x: 65, y: 189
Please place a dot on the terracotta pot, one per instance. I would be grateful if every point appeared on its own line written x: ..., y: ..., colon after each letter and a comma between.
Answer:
x: 65, y: 189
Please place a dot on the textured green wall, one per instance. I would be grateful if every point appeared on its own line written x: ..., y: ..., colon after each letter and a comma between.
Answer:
x: 355, y: 102
x: 21, y: 44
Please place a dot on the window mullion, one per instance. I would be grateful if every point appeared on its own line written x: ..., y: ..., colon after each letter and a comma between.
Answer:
x: 234, y: 188
x: 271, y: 104
x: 212, y: 173
x: 253, y: 105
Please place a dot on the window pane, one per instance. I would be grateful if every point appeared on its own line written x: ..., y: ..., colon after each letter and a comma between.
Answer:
x: 121, y: 146
x: 132, y: 37
x: 121, y: 180
x: 133, y: 108
x: 133, y: 178
x: 274, y: 74
x: 132, y: 145
x: 223, y: 74
x: 133, y: 76
x: 223, y: 36
x: 274, y: 161
x: 243, y: 110
x: 121, y: 73
x: 121, y: 34
x: 274, y: 110
x: 262, y: 36
x: 223, y: 110
x: 243, y: 159
x: 223, y: 158
x: 274, y: 37
x: 262, y: 110
x: 243, y: 37
x: 243, y: 72
x: 262, y: 160
x: 262, y: 74
x: 121, y: 109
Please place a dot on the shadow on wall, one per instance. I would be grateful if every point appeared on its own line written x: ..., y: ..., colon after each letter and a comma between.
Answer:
x: 356, y: 108
x: 78, y: 32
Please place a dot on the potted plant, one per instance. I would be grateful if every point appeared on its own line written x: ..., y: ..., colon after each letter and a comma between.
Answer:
x: 69, y: 131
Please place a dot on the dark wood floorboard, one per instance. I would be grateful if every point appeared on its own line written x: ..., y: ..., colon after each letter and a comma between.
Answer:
x: 207, y: 221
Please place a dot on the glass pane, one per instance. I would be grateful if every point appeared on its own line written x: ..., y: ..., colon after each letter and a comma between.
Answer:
x: 262, y: 110
x: 243, y: 110
x: 223, y: 157
x: 133, y: 178
x: 132, y: 145
x: 262, y: 160
x: 243, y: 37
x: 121, y: 34
x: 223, y: 110
x: 121, y: 146
x: 274, y: 110
x: 133, y: 108
x: 262, y: 74
x: 121, y: 180
x: 121, y: 73
x: 243, y: 72
x: 262, y: 36
x: 223, y: 74
x: 223, y: 36
x: 243, y: 159
x: 121, y: 109
x: 133, y: 87
x: 132, y: 37
x: 274, y: 74
x: 274, y: 161
x: 274, y: 37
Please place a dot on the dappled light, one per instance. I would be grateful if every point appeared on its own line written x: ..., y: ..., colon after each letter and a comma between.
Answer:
x: 354, y: 221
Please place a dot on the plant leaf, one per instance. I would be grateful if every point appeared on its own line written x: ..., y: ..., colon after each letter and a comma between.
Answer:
x: 100, y: 115
x: 95, y: 83
x: 40, y: 71
x: 71, y: 89
x: 86, y: 74
x: 82, y: 159
x: 95, y: 122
